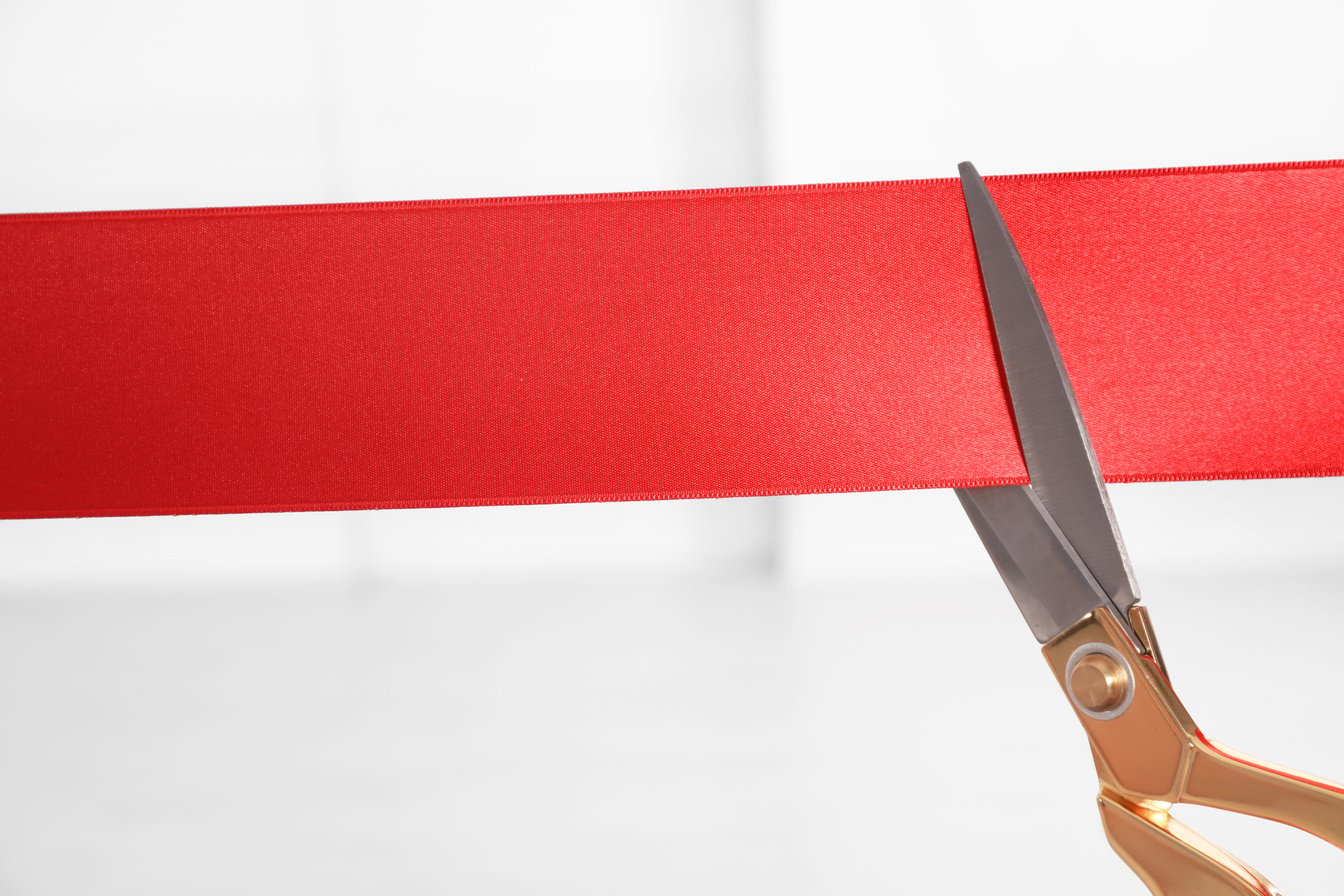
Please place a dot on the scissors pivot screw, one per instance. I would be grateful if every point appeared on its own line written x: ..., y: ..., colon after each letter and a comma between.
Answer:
x: 1099, y: 681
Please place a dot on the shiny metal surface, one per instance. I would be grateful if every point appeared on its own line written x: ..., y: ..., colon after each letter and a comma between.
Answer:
x: 1057, y: 547
x: 1099, y: 681
x: 1064, y: 473
x: 1051, y: 585
x: 1151, y: 755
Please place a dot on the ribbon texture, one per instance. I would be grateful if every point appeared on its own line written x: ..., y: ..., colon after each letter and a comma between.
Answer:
x: 662, y: 345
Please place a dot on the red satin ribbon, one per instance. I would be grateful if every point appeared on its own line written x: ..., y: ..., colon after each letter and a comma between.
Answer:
x: 663, y: 345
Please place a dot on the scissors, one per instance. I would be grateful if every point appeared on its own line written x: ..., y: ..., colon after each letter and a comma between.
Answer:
x: 1057, y: 546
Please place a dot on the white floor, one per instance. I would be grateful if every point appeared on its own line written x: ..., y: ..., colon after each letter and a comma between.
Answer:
x: 607, y: 735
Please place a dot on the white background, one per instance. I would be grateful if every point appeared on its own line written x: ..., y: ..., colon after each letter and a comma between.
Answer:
x: 815, y: 695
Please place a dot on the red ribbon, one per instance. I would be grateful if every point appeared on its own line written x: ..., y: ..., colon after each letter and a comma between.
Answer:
x: 663, y: 345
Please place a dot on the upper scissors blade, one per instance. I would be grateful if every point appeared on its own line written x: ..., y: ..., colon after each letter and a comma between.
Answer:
x: 1060, y: 461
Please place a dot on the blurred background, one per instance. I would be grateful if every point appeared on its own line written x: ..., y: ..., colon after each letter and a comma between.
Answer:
x: 811, y: 695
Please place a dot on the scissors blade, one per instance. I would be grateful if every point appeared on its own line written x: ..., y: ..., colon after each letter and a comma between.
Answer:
x: 1051, y: 585
x: 1059, y: 456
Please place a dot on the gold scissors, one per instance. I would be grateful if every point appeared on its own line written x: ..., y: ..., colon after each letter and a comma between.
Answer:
x: 1056, y: 544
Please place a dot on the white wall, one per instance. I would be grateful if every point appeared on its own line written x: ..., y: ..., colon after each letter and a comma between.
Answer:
x: 726, y: 696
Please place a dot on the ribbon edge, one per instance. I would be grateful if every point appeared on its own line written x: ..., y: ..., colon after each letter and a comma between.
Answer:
x: 646, y: 195
x: 624, y: 497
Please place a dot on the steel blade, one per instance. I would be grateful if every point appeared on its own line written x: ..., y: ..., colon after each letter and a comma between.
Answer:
x: 1059, y: 456
x: 1052, y: 587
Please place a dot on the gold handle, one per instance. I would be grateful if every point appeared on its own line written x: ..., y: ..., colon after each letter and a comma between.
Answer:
x: 1226, y: 780
x: 1150, y: 755
x: 1173, y: 860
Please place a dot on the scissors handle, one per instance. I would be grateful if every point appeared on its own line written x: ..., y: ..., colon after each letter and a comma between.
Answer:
x: 1173, y: 860
x: 1150, y: 755
x: 1222, y: 779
